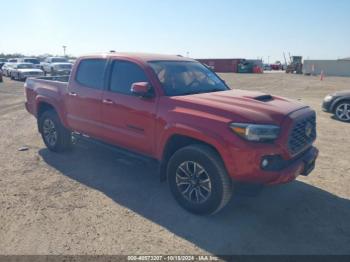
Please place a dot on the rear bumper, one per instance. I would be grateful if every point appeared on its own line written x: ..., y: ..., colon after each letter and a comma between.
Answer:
x: 283, y: 171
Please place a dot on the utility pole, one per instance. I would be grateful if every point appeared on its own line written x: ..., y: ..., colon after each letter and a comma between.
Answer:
x: 64, y: 50
x: 285, y: 60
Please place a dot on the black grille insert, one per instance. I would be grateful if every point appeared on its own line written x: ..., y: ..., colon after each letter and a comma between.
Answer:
x: 303, y: 134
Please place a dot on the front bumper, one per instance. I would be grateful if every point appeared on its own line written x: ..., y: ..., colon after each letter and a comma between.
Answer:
x: 284, y: 171
x: 62, y: 72
x: 25, y: 76
x: 326, y: 106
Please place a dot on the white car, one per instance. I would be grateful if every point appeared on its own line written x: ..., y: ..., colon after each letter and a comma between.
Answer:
x: 62, y: 69
x: 31, y: 60
x: 6, y: 68
x: 46, y: 66
x: 22, y: 71
x: 13, y: 60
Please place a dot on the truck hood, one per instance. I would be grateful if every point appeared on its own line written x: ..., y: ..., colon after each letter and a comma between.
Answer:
x: 242, y: 106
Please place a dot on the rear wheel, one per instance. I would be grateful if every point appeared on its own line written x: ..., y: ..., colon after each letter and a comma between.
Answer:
x: 55, y: 136
x: 198, y: 180
x: 342, y: 111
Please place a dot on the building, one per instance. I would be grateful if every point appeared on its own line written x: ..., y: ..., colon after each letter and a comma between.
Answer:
x: 228, y: 65
x: 339, y: 67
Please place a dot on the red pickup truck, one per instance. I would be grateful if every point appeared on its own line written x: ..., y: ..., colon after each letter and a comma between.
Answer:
x: 205, y: 136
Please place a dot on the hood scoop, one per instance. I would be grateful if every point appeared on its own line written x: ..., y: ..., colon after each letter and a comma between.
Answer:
x: 263, y: 98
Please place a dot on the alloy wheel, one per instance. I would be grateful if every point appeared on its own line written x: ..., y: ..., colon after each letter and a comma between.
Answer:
x: 343, y: 112
x: 193, y: 182
x: 50, y: 132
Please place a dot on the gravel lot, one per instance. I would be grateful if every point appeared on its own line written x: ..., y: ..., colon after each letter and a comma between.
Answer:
x: 97, y: 201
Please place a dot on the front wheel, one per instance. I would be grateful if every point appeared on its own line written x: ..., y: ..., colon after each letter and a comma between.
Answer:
x: 342, y: 111
x: 55, y: 136
x: 198, y: 180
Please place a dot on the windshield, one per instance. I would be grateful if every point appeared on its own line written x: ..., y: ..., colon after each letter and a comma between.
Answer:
x: 58, y: 60
x: 186, y: 78
x: 32, y: 60
x: 25, y: 66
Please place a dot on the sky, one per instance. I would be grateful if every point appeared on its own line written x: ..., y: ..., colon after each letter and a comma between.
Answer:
x: 315, y: 29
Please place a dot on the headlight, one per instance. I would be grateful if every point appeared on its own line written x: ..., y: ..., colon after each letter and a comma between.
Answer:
x: 257, y: 133
x: 328, y: 98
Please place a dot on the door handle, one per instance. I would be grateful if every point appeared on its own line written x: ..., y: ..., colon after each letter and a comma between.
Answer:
x: 107, y: 101
x: 72, y: 94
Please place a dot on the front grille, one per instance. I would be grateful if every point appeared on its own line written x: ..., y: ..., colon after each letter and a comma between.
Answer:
x: 302, y: 135
x: 32, y: 73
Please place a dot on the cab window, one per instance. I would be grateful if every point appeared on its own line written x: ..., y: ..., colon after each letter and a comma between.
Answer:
x: 123, y: 75
x: 91, y: 73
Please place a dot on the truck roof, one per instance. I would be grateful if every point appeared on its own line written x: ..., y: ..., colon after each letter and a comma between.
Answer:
x: 142, y: 57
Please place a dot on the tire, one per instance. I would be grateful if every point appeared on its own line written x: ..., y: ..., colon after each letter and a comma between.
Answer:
x: 55, y: 136
x: 342, y: 111
x: 213, y: 187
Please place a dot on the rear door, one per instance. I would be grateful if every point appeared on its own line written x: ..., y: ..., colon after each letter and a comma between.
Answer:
x: 84, y: 98
x: 129, y: 120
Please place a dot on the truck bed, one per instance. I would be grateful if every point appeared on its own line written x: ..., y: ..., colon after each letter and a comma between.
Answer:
x: 53, y: 88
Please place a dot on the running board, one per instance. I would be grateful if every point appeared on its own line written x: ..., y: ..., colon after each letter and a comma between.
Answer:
x: 116, y: 149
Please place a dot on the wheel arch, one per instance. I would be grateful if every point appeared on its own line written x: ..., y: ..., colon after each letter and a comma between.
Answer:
x: 177, y: 141
x: 43, y: 104
x: 338, y: 101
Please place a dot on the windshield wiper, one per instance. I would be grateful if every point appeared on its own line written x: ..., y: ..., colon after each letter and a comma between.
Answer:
x: 202, y: 92
x: 215, y: 90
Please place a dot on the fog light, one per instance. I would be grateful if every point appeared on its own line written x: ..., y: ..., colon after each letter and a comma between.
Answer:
x: 265, y: 163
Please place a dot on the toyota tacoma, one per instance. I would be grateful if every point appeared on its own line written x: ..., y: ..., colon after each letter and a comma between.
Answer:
x: 205, y: 136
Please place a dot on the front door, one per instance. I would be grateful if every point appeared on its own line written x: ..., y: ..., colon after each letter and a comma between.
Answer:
x: 129, y: 120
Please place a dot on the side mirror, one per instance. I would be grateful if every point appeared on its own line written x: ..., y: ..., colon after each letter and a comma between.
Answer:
x: 141, y: 89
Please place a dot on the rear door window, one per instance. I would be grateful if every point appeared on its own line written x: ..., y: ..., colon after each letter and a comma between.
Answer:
x: 91, y: 73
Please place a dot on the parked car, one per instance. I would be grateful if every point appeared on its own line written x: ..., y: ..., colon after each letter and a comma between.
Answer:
x: 276, y: 67
x: 3, y: 60
x: 1, y: 76
x: 47, y: 66
x: 34, y: 61
x: 338, y: 104
x: 21, y: 71
x: 6, y: 68
x: 14, y: 60
x: 61, y: 69
x: 206, y: 137
x: 267, y: 67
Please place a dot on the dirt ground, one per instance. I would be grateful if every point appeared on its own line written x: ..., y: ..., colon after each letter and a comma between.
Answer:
x: 97, y: 201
